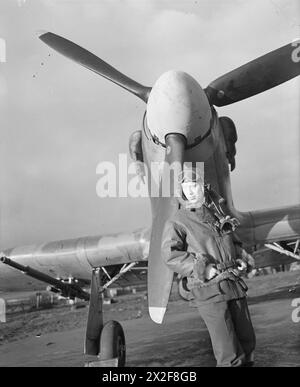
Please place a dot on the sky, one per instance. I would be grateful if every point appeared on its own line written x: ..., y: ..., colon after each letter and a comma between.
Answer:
x: 59, y: 120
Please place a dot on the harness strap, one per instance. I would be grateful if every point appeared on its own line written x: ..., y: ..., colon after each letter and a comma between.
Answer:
x: 225, y: 275
x: 222, y: 266
x: 215, y: 280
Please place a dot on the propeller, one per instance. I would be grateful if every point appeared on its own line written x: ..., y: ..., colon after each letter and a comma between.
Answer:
x: 92, y: 62
x: 255, y: 77
x: 158, y: 272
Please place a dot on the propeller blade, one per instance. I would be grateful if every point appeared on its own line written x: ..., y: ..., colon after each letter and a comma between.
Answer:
x: 255, y: 77
x: 160, y: 277
x: 92, y: 62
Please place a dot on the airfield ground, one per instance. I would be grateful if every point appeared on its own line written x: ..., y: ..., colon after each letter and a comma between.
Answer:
x: 55, y: 337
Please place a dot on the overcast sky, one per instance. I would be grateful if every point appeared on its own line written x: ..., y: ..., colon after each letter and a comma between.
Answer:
x: 59, y: 120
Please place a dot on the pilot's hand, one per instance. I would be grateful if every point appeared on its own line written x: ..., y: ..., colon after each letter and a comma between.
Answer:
x: 246, y: 258
x: 250, y: 263
x: 242, y: 267
x: 199, y: 268
x: 211, y: 271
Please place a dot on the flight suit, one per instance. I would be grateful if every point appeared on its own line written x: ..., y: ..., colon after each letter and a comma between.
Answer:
x: 191, y: 241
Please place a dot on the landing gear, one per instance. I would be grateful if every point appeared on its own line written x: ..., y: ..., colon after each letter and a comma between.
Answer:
x: 112, y: 343
x: 105, y: 341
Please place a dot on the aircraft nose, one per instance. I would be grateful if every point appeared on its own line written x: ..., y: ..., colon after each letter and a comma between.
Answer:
x: 178, y: 104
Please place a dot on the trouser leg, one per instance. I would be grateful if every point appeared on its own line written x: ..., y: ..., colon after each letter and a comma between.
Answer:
x: 243, y: 327
x: 226, y: 346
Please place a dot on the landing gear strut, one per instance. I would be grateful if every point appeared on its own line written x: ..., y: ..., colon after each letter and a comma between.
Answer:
x: 105, y: 341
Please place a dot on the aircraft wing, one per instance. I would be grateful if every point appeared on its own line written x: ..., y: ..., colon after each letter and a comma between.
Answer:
x: 270, y: 225
x: 73, y: 258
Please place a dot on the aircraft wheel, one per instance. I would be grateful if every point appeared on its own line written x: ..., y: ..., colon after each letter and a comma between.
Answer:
x: 183, y: 290
x: 112, y: 343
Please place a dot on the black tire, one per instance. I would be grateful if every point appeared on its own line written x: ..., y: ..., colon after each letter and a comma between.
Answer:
x: 112, y: 343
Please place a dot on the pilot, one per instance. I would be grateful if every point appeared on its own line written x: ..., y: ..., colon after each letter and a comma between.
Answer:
x: 196, y: 246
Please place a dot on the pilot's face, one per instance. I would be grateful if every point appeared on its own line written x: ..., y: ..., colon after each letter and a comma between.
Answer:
x: 193, y: 191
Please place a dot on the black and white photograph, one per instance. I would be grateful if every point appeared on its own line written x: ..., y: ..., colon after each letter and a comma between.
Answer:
x: 150, y: 186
